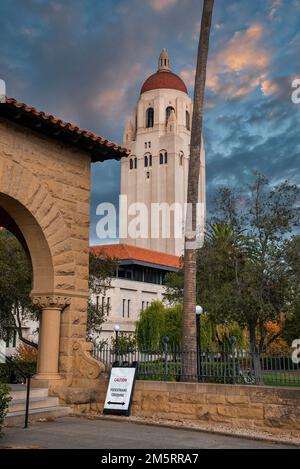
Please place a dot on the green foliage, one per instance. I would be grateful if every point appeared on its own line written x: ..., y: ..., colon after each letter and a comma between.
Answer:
x: 4, y: 403
x: 101, y: 270
x: 292, y: 325
x: 126, y: 343
x: 248, y: 271
x: 15, y: 284
x: 159, y: 321
x: 11, y: 374
x: 149, y: 327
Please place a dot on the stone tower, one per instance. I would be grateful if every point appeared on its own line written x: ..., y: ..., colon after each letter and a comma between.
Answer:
x: 157, y: 170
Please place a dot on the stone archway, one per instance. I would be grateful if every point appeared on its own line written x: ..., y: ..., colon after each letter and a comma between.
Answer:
x: 45, y: 201
x: 29, y: 211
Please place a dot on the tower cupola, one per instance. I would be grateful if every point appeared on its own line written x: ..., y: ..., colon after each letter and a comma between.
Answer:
x: 164, y: 62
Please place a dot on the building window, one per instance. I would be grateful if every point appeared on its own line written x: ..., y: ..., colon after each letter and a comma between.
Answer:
x: 149, y: 144
x: 168, y: 112
x: 146, y: 145
x: 97, y: 302
x: 135, y: 163
x: 123, y: 310
x: 163, y: 157
x: 108, y: 306
x: 148, y: 175
x: 181, y: 155
x: 150, y: 117
x: 150, y: 160
x: 131, y: 163
x: 143, y: 306
x: 128, y: 308
x: 146, y: 162
x: 187, y: 120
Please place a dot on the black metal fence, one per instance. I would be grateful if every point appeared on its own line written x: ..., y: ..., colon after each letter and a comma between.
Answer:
x: 228, y: 365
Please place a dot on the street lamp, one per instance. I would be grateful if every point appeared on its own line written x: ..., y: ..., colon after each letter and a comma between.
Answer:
x: 117, y: 330
x: 199, y: 311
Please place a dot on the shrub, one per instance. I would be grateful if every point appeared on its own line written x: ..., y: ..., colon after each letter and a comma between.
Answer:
x: 4, y: 402
x: 11, y: 374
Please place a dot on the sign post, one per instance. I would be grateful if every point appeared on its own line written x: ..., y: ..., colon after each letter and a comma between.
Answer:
x: 120, y: 390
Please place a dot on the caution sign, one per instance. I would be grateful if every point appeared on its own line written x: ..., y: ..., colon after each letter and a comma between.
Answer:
x: 120, y: 390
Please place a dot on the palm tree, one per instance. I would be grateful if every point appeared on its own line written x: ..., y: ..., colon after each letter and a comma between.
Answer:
x: 189, y: 340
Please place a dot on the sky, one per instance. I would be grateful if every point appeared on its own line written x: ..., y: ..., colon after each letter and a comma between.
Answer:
x: 86, y: 60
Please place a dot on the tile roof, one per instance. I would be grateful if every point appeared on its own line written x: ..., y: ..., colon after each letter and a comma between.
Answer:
x: 127, y: 252
x: 163, y: 80
x: 99, y: 147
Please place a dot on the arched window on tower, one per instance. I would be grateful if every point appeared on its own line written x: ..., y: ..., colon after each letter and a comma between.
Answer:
x: 147, y: 160
x: 163, y: 157
x: 135, y: 163
x: 181, y: 156
x: 168, y: 112
x: 188, y: 120
x: 131, y: 163
x: 149, y: 117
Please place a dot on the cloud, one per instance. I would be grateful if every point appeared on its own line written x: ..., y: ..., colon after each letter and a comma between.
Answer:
x: 159, y: 5
x: 269, y: 87
x: 113, y: 99
x: 275, y: 6
x: 237, y: 67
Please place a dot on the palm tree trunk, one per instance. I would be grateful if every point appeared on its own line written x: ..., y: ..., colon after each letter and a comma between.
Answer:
x: 189, y: 340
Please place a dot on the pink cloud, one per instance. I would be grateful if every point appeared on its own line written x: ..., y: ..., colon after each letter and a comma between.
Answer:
x: 269, y: 88
x: 112, y: 99
x: 159, y: 5
x: 239, y: 67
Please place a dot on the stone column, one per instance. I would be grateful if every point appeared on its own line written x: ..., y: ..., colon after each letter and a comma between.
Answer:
x: 49, y: 335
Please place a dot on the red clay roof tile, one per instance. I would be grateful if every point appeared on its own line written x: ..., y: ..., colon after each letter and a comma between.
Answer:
x: 127, y: 252
x: 118, y: 151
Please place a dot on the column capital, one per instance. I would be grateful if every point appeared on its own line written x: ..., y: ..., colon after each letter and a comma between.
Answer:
x: 51, y: 301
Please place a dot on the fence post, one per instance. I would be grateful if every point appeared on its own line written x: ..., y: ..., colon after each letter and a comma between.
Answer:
x: 166, y: 343
x: 233, y: 343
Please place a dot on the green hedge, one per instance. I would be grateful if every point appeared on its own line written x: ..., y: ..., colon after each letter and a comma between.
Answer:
x: 4, y: 403
x: 10, y: 374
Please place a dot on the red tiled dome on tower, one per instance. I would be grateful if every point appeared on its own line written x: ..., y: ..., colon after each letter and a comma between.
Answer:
x: 164, y: 78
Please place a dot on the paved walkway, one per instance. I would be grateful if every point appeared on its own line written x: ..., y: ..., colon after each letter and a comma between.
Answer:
x: 82, y: 433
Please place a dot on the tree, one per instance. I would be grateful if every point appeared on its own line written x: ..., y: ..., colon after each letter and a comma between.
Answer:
x: 101, y: 271
x: 248, y: 271
x: 149, y: 327
x: 291, y: 330
x: 189, y: 363
x: 257, y: 287
x: 15, y: 287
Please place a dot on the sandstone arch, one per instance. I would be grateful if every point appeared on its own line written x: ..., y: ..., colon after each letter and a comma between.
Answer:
x: 30, y: 205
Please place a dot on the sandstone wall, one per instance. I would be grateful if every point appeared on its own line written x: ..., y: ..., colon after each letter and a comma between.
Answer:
x: 247, y: 407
